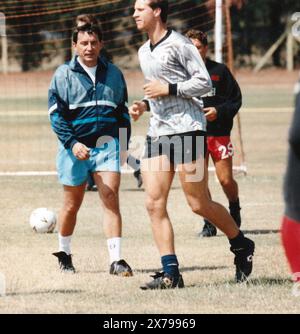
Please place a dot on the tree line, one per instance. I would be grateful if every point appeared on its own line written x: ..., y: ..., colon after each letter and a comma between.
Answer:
x: 38, y: 30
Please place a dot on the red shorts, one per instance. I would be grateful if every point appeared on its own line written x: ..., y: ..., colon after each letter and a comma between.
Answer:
x: 219, y: 148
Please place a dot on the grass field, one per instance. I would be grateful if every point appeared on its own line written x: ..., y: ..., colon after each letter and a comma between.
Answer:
x: 33, y: 282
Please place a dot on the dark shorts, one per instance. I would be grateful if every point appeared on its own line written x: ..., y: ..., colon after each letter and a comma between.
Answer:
x: 180, y: 148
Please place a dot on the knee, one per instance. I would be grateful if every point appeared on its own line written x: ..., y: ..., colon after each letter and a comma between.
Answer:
x: 71, y: 208
x: 201, y: 206
x: 155, y: 206
x: 226, y: 181
x: 197, y: 207
x: 110, y: 199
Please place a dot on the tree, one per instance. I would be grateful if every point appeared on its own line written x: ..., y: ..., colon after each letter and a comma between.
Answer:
x: 258, y: 24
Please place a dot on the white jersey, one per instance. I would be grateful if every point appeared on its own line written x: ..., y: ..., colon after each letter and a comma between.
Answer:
x: 175, y: 60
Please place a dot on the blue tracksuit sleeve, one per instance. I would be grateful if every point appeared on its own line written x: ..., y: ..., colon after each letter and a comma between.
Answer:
x: 124, y: 119
x: 58, y: 111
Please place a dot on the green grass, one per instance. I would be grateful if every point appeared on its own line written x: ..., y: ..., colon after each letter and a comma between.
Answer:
x: 252, y: 98
x: 23, y: 104
x: 267, y: 98
x: 34, y: 284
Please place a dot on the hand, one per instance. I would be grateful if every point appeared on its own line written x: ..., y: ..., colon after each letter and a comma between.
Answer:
x: 211, y: 113
x: 137, y: 109
x: 155, y: 89
x: 80, y: 151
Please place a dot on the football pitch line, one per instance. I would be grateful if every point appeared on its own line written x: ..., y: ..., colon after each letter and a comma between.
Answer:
x: 242, y: 169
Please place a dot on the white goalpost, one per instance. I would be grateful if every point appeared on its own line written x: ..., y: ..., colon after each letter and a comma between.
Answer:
x: 239, y: 164
x: 219, y: 31
x: 3, y: 36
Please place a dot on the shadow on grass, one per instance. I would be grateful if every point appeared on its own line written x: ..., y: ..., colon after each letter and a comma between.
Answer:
x: 182, y: 269
x: 42, y: 292
x: 262, y: 281
x: 260, y: 231
x: 271, y: 281
x: 257, y: 232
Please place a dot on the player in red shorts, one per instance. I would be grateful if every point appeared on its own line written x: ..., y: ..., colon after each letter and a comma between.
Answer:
x: 220, y: 107
x: 290, y: 230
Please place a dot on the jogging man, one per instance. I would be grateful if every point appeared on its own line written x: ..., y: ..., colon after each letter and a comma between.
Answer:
x: 87, y: 108
x: 220, y: 107
x: 175, y: 75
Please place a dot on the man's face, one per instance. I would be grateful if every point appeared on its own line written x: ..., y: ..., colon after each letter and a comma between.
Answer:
x: 143, y: 14
x: 88, y: 48
x: 201, y: 48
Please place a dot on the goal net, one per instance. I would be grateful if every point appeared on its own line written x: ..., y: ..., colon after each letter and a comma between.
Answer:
x: 36, y: 38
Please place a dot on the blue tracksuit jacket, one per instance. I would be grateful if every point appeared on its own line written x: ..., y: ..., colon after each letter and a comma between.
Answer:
x: 81, y: 111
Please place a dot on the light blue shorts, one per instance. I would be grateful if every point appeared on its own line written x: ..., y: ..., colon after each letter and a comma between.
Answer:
x: 74, y: 172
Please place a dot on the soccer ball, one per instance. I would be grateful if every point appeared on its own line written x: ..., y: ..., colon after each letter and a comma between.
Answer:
x: 42, y: 220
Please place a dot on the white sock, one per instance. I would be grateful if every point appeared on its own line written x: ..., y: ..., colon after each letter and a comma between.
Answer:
x: 114, y: 249
x: 64, y: 243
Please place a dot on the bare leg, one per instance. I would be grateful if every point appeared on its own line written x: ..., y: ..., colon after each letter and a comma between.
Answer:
x: 73, y: 197
x: 157, y: 187
x: 108, y: 184
x: 199, y: 201
x: 225, y: 176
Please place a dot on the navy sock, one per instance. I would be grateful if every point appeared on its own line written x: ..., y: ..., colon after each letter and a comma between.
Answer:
x: 238, y: 241
x: 234, y: 206
x: 170, y: 265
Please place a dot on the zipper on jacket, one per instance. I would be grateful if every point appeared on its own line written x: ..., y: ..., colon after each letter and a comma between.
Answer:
x: 97, y: 111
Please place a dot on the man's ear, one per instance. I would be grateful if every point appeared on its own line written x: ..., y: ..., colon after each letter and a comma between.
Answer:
x: 157, y: 12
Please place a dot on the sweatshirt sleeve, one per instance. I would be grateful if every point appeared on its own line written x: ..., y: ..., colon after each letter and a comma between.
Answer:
x: 58, y: 109
x: 232, y: 96
x: 199, y: 82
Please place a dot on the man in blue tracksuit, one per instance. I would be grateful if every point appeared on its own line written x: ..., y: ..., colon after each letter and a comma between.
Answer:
x: 88, y: 113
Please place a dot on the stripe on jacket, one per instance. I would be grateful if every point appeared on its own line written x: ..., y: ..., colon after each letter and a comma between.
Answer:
x: 94, y: 119
x: 92, y: 104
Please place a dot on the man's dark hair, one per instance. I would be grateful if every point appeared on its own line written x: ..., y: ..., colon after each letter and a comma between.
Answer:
x: 90, y: 29
x: 197, y: 34
x: 163, y: 5
x: 86, y: 18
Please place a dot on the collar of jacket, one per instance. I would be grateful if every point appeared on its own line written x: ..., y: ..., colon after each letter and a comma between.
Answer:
x: 75, y: 66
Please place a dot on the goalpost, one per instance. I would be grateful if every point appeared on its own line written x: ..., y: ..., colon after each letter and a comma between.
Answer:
x: 239, y: 164
x: 3, y: 38
x: 37, y: 40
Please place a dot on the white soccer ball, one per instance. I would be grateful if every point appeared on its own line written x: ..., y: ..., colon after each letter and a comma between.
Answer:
x: 42, y: 220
